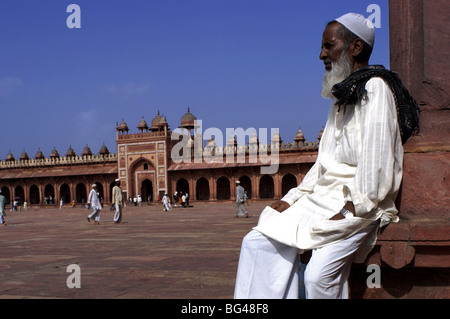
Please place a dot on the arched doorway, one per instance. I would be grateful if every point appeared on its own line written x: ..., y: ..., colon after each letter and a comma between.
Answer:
x: 246, y: 183
x: 19, y: 194
x: 49, y: 194
x: 81, y: 193
x: 223, y: 188
x: 34, y: 195
x: 289, y: 181
x: 5, y: 192
x: 202, y: 189
x: 147, y: 190
x: 182, y: 186
x: 64, y: 193
x: 266, y: 187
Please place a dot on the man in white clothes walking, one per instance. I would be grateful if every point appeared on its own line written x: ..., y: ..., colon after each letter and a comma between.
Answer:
x: 94, y: 203
x: 117, y: 199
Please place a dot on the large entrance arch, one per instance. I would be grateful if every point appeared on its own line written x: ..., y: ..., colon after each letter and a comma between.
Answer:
x: 142, y: 179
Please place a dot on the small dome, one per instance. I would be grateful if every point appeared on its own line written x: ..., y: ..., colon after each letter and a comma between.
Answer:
x: 10, y: 157
x: 155, y: 121
x: 104, y: 150
x: 163, y: 121
x: 253, y: 139
x: 299, y: 136
x: 24, y: 156
x: 70, y: 152
x: 188, y: 120
x: 54, y: 153
x: 142, y: 125
x: 123, y: 126
x: 87, y: 150
x: 276, y: 137
x: 39, y: 155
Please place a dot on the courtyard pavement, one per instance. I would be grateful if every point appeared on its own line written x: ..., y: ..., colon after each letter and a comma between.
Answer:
x: 184, y: 253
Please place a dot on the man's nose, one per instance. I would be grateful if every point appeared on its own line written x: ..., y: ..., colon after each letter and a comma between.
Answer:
x: 323, y: 54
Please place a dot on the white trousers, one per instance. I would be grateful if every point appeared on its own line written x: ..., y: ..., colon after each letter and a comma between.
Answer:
x: 118, y: 215
x: 95, y: 214
x: 269, y: 270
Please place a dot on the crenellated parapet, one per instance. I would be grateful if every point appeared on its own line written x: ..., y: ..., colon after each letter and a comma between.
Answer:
x: 58, y: 161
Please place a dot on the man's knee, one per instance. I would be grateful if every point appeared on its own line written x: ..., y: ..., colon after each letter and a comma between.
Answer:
x: 252, y: 239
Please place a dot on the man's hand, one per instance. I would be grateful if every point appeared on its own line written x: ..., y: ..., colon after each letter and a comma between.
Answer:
x: 348, y: 206
x: 280, y: 206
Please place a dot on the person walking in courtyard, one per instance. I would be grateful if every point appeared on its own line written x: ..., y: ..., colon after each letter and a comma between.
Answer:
x: 240, y: 201
x: 2, y: 209
x: 117, y: 199
x: 165, y: 202
x: 94, y: 203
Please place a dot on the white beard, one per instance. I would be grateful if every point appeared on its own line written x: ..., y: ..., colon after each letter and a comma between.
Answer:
x: 340, y: 70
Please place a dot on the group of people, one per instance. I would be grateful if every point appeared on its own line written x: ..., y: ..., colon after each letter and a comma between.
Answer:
x: 178, y: 198
x: 96, y: 206
x: 181, y: 198
x: 136, y: 200
x: 14, y: 206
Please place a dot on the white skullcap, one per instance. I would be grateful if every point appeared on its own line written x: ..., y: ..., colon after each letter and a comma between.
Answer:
x: 94, y: 185
x: 360, y: 26
x: 117, y: 180
x: 238, y: 182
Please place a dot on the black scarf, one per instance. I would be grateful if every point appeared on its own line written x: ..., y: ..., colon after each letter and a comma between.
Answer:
x: 352, y: 90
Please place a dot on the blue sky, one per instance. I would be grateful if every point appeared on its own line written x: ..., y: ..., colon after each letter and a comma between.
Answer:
x: 235, y: 63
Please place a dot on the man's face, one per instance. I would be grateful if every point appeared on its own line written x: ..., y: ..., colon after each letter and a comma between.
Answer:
x: 336, y: 58
x: 332, y: 46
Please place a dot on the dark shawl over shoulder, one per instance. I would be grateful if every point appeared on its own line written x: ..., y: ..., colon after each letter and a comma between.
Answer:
x: 352, y: 90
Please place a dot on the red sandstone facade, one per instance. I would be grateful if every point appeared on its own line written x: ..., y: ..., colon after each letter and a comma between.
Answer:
x: 145, y: 166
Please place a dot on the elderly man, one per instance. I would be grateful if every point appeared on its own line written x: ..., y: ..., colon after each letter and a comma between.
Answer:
x: 117, y: 200
x: 350, y: 191
x: 94, y: 203
x: 240, y: 201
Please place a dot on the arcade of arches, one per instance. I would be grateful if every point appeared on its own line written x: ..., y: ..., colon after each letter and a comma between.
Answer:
x: 144, y: 166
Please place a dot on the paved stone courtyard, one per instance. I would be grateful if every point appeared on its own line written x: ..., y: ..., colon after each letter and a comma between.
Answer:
x: 185, y: 253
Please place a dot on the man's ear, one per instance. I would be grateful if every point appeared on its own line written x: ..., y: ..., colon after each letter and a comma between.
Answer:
x: 356, y: 48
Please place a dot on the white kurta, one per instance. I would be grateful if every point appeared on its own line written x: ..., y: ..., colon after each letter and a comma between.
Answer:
x: 94, y: 201
x: 360, y: 160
